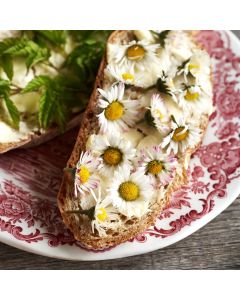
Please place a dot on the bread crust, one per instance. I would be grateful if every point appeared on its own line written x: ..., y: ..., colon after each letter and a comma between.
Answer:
x: 80, y: 225
x: 34, y: 139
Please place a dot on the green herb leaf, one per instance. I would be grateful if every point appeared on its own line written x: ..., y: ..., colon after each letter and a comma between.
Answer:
x: 55, y: 96
x: 7, y: 65
x: 149, y: 118
x: 162, y: 86
x: 12, y: 109
x: 161, y: 36
x: 56, y: 37
x: 6, y: 60
x: 46, y: 105
x: 36, y: 83
x: 182, y: 66
x: 4, y: 86
x: 94, y: 35
x: 173, y: 119
x: 8, y: 43
x: 61, y: 95
x: 85, y: 58
x: 29, y: 49
x: 61, y: 114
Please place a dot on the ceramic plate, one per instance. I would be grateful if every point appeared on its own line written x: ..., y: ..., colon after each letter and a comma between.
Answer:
x: 29, y: 179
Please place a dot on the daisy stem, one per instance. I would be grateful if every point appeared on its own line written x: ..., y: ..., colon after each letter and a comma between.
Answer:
x: 71, y: 170
x: 174, y: 120
x: 150, y: 88
x: 88, y: 212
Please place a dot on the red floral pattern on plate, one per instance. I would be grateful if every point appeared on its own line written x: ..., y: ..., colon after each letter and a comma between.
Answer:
x: 30, y: 213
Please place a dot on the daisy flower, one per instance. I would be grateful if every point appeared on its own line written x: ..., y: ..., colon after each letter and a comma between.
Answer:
x: 159, y: 166
x: 183, y: 135
x: 105, y: 215
x: 159, y: 114
x: 197, y: 65
x: 85, y: 179
x: 127, y: 76
x: 130, y: 192
x: 114, y: 150
x: 118, y: 113
x: 137, y: 54
x: 191, y: 98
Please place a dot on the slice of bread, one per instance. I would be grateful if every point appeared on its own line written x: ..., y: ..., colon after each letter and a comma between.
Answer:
x: 34, y: 139
x: 80, y: 225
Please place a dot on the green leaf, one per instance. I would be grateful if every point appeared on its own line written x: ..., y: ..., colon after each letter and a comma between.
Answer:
x: 162, y: 85
x: 149, y: 118
x: 53, y: 102
x: 182, y: 66
x: 60, y: 114
x: 12, y: 109
x: 34, y: 58
x: 4, y: 86
x: 161, y: 36
x: 36, y: 83
x: 18, y: 48
x: 46, y: 104
x: 29, y: 49
x: 84, y: 61
x: 84, y: 35
x: 88, y: 212
x: 7, y: 65
x: 57, y: 37
x: 8, y: 43
x: 73, y: 84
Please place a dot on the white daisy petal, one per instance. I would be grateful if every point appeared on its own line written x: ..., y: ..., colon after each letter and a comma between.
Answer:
x: 160, y: 114
x: 126, y: 75
x: 119, y: 114
x: 114, y: 150
x: 105, y: 215
x: 184, y: 135
x: 103, y: 93
x: 158, y: 166
x: 130, y: 193
x: 120, y: 91
x: 85, y: 178
x: 135, y: 58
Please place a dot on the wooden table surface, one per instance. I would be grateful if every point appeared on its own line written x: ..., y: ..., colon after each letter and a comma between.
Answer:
x: 215, y: 246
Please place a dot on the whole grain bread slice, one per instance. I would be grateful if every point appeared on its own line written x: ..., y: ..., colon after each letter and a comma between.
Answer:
x: 80, y: 225
x: 34, y: 139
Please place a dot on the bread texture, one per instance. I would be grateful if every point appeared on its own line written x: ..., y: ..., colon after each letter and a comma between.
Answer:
x: 79, y: 224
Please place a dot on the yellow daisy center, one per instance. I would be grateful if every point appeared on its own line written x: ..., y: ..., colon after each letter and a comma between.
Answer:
x: 191, y: 96
x: 193, y: 66
x: 112, y: 156
x: 114, y: 111
x: 127, y: 76
x: 159, y: 114
x: 154, y: 167
x: 171, y: 83
x: 102, y: 215
x: 135, y: 52
x: 129, y: 191
x: 84, y: 174
x: 178, y: 136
